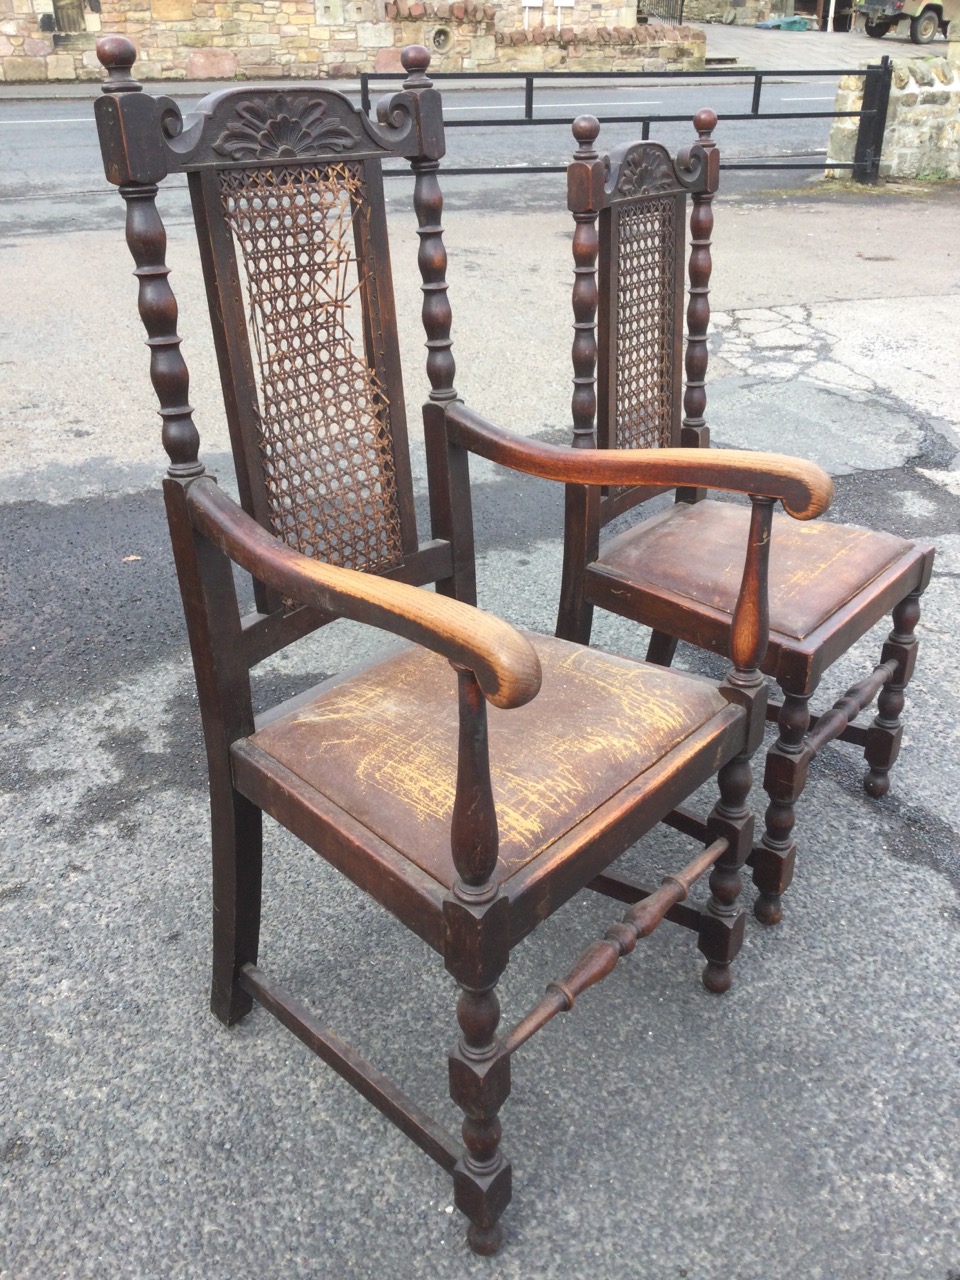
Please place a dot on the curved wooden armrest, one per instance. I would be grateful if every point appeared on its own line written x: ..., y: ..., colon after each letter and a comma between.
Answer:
x: 804, y: 488
x: 503, y: 661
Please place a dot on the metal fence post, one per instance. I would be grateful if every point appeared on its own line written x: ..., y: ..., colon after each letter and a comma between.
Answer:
x: 757, y: 87
x: 873, y: 121
x: 880, y: 120
x: 365, y: 92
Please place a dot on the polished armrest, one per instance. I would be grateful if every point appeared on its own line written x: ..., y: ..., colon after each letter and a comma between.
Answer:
x: 804, y: 488
x: 503, y: 661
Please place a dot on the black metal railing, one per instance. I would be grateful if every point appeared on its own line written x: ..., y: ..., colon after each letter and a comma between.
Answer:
x: 669, y: 11
x: 864, y: 168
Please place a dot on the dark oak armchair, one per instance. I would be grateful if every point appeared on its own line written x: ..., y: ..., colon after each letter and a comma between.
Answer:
x: 678, y: 571
x: 470, y: 826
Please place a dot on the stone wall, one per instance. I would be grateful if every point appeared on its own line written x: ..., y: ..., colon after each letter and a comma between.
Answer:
x: 741, y: 13
x: 545, y: 47
x: 466, y: 37
x: 703, y: 10
x: 30, y: 49
x: 264, y: 39
x: 922, y: 137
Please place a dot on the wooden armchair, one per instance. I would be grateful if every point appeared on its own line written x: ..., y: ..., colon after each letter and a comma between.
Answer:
x: 678, y: 571
x: 470, y: 826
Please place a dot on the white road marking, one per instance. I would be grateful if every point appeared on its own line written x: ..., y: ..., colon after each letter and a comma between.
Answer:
x: 45, y: 120
x: 516, y: 106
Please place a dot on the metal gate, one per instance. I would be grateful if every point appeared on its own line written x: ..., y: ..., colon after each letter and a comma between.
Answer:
x: 669, y: 11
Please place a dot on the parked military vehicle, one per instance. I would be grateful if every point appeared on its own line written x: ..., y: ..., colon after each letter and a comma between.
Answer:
x: 926, y: 17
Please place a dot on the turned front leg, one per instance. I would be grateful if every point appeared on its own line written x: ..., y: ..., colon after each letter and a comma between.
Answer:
x: 784, y: 778
x: 479, y: 1085
x: 884, y: 735
x: 721, y: 928
x: 722, y: 925
x: 476, y: 949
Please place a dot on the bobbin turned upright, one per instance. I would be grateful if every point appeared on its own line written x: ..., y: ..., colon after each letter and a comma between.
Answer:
x: 470, y: 839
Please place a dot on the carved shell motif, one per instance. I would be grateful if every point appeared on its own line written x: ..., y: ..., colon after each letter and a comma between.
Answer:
x: 645, y: 172
x: 278, y: 131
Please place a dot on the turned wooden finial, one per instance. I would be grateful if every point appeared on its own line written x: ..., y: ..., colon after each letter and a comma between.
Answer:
x: 705, y: 121
x: 586, y: 130
x: 415, y: 59
x: 117, y: 55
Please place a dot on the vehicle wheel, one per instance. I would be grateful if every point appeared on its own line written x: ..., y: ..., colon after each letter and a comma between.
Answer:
x: 925, y: 26
x: 877, y: 29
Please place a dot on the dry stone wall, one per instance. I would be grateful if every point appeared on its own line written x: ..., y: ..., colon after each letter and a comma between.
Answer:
x: 922, y: 137
x: 266, y: 39
x: 30, y: 49
x: 741, y: 13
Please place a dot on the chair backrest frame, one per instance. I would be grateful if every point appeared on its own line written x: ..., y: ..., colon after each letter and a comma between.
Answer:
x: 255, y: 134
x: 629, y: 354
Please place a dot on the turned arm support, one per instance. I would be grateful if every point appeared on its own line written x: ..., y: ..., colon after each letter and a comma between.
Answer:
x: 504, y: 662
x: 804, y: 488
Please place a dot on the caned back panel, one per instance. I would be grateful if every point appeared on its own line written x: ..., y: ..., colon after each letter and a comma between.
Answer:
x: 309, y: 359
x: 640, y: 362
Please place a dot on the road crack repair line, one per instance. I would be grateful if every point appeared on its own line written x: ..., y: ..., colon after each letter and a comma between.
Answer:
x: 785, y: 344
x: 782, y: 343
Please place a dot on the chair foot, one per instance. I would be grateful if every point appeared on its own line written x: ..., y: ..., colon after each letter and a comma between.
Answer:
x: 883, y: 741
x: 717, y: 977
x: 768, y: 908
x: 482, y: 1195
x: 485, y: 1240
x: 237, y: 830
x: 722, y: 920
x: 231, y: 1005
x: 773, y: 867
x: 785, y: 777
x: 876, y: 783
